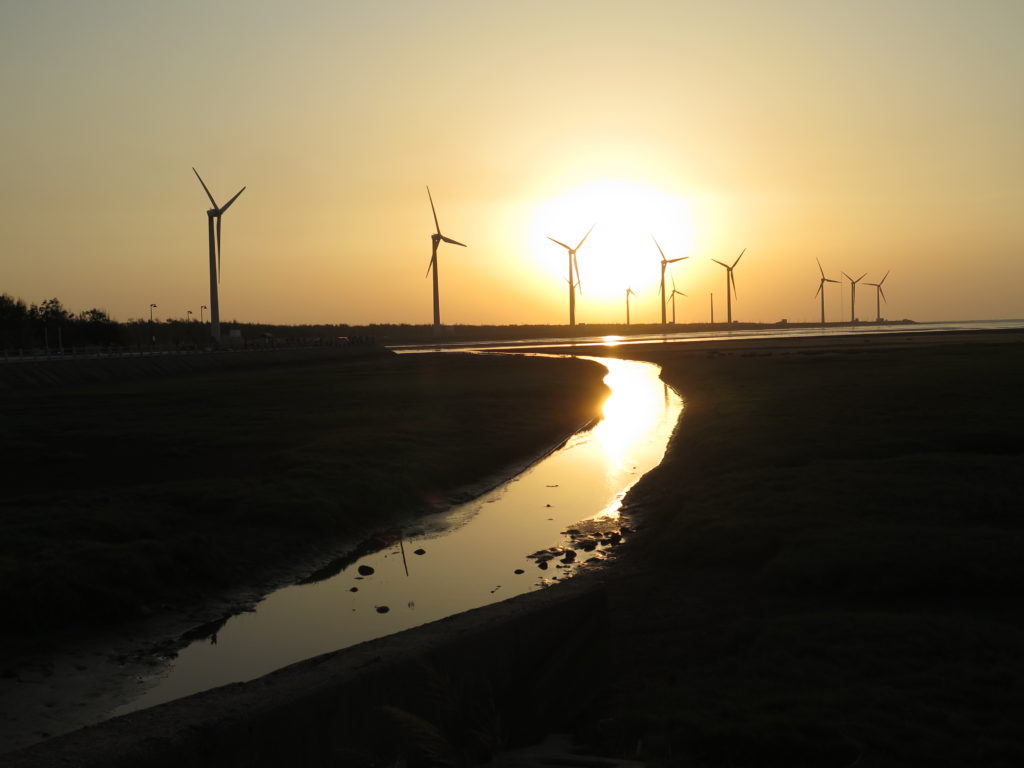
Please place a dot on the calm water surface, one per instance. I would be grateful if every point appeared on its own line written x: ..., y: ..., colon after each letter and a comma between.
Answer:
x: 470, y: 554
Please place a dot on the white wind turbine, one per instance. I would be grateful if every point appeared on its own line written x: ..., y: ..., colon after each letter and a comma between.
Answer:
x: 435, y: 240
x: 853, y: 295
x: 879, y: 297
x: 730, y: 283
x: 664, y: 263
x: 213, y: 215
x: 673, y: 295
x: 821, y: 289
x: 574, y: 283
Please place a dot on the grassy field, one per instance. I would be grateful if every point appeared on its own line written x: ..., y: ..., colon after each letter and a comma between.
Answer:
x: 122, y: 497
x: 832, y: 565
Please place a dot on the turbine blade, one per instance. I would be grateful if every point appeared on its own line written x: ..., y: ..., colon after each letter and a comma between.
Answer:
x: 673, y: 261
x: 861, y: 277
x: 883, y: 279
x: 218, y: 248
x: 722, y: 263
x: 433, y: 211
x: 576, y: 263
x: 430, y: 264
x: 739, y: 257
x: 830, y: 280
x: 658, y: 247
x: 453, y: 242
x: 229, y: 202
x: 586, y: 235
x: 732, y: 279
x: 560, y: 243
x: 673, y: 283
x: 847, y: 277
x: 819, y: 267
x: 820, y: 286
x: 883, y: 294
x: 212, y: 201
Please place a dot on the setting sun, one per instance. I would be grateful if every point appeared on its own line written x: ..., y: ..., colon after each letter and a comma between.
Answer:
x: 619, y: 253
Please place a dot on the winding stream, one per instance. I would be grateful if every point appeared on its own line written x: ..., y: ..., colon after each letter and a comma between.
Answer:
x: 461, y: 559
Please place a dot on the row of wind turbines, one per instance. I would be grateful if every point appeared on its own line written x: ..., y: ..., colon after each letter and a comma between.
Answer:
x: 215, y: 213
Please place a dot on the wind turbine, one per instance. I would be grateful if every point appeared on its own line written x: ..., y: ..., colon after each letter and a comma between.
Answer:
x: 573, y: 264
x: 212, y: 215
x: 664, y: 263
x: 673, y: 295
x: 853, y: 295
x: 629, y: 292
x: 435, y: 240
x: 730, y: 283
x: 879, y: 295
x: 821, y: 289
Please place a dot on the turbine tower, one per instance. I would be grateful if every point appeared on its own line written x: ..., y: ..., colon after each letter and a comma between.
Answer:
x: 212, y: 215
x: 879, y: 295
x: 629, y: 292
x: 573, y: 264
x: 435, y: 240
x: 664, y: 263
x: 821, y: 289
x: 730, y: 284
x: 853, y: 295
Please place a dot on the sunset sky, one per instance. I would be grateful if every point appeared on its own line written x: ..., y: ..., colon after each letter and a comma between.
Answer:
x: 874, y: 135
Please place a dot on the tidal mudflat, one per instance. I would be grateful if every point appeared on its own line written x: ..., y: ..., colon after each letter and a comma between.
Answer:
x: 130, y: 501
x: 830, y: 565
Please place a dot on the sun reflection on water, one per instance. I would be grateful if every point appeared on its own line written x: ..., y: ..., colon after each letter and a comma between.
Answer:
x: 629, y: 413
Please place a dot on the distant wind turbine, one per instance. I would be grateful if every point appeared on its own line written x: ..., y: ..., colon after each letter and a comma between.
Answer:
x: 212, y: 215
x: 673, y: 295
x: 821, y: 289
x: 629, y: 292
x: 853, y: 295
x: 730, y: 284
x: 879, y: 296
x: 435, y: 240
x: 664, y: 263
x: 574, y: 283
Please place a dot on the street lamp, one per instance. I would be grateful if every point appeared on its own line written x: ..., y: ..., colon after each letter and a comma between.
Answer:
x: 201, y: 308
x: 188, y: 315
x: 151, y: 308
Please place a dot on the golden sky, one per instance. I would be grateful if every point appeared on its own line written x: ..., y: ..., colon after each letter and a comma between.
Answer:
x: 874, y: 135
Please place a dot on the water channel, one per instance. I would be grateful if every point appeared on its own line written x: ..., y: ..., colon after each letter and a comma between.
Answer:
x: 472, y: 555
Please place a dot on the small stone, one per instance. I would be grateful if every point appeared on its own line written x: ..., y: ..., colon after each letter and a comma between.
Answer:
x: 570, y: 555
x: 420, y: 551
x: 353, y: 589
x: 542, y: 564
x: 365, y: 570
x: 518, y: 571
x: 382, y: 609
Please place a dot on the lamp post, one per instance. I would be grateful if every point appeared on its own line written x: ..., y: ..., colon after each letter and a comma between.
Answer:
x: 201, y: 308
x: 188, y: 315
x: 151, y: 308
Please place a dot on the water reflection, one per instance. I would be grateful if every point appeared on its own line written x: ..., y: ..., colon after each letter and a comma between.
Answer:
x: 473, y: 555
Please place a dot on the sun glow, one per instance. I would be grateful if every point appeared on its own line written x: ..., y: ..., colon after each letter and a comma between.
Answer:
x: 619, y: 253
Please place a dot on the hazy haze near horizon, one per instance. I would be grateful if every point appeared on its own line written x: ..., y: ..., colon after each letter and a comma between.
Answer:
x: 873, y: 135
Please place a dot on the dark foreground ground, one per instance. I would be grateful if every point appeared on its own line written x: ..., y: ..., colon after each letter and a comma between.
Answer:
x: 134, y: 486
x: 832, y: 561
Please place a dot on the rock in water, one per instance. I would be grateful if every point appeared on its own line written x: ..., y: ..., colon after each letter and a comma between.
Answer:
x: 365, y: 570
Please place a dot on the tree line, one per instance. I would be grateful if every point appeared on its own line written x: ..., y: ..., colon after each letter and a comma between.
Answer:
x: 50, y: 326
